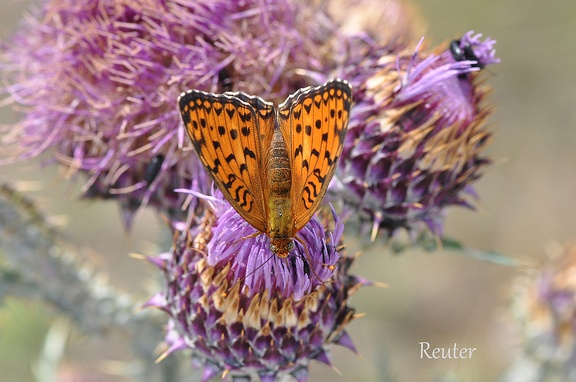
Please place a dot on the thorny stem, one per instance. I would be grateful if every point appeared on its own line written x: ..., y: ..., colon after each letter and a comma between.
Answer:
x: 40, y: 264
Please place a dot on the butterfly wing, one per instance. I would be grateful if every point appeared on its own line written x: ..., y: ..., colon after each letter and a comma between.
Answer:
x: 314, y: 122
x: 230, y: 133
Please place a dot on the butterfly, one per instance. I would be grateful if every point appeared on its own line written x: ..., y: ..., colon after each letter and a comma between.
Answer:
x: 272, y: 165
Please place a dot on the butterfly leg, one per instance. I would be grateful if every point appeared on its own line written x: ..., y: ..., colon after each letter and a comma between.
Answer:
x: 309, y: 257
x: 251, y: 236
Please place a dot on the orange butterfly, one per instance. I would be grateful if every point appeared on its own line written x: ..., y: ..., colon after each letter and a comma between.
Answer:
x: 273, y: 166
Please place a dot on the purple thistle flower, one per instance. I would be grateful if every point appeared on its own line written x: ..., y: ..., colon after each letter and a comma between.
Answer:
x: 416, y: 133
x: 274, y: 274
x: 98, y: 82
x: 543, y: 308
x: 244, y: 311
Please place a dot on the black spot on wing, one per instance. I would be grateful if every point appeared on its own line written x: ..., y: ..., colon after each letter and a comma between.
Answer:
x: 245, y: 117
x: 337, y: 130
x: 239, y: 193
x: 242, y: 196
x: 319, y: 176
x: 310, y: 192
x: 249, y: 153
x: 217, y: 164
x: 218, y: 110
x: 284, y: 114
x: 243, y: 168
x: 327, y: 157
x: 298, y: 151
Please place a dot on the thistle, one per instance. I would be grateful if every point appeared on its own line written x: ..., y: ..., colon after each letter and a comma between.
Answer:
x: 242, y: 310
x: 543, y: 309
x: 416, y: 134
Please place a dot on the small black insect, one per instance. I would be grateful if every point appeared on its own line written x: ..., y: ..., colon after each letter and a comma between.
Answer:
x: 153, y: 168
x: 465, y: 53
x: 224, y: 81
x: 306, y: 267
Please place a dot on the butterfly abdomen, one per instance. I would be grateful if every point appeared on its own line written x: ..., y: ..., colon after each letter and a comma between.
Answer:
x: 279, y: 173
x: 280, y: 219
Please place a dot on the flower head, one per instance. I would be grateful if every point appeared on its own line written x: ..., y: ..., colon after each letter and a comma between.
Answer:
x: 416, y: 134
x: 253, y: 264
x: 243, y: 310
x: 544, y: 307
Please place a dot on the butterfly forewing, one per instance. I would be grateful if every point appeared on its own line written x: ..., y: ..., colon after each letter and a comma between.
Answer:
x: 314, y: 122
x: 230, y: 133
x: 265, y: 118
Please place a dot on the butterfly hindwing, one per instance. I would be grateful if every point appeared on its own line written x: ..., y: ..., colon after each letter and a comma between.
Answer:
x: 230, y: 133
x: 314, y: 122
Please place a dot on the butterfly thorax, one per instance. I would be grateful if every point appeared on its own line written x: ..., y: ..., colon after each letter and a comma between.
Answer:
x: 280, y: 217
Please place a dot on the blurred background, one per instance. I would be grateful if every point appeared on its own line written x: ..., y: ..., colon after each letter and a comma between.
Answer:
x: 526, y: 210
